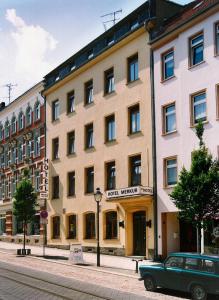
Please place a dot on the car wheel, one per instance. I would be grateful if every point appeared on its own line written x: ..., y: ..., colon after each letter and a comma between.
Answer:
x: 149, y: 284
x: 198, y: 293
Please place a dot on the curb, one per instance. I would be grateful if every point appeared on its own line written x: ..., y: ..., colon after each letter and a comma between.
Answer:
x: 77, y: 266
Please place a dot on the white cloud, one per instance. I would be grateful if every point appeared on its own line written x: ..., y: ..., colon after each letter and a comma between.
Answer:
x: 23, y: 52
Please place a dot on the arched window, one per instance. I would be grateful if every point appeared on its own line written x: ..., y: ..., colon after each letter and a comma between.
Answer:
x: 28, y: 116
x: 56, y: 227
x: 21, y: 121
x: 72, y: 227
x: 111, y: 225
x: 13, y: 125
x: 7, y: 129
x: 90, y: 232
x: 37, y: 111
x: 1, y: 132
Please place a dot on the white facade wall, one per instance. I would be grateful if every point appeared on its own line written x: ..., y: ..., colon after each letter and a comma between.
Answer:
x: 186, y: 82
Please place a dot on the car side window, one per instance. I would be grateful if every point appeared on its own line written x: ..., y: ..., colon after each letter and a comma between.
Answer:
x: 192, y: 264
x: 208, y: 266
x: 174, y: 262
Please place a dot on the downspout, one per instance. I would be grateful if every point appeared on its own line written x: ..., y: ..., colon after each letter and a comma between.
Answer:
x: 154, y: 154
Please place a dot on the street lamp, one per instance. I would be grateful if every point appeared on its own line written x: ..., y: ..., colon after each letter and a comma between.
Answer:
x: 98, y: 197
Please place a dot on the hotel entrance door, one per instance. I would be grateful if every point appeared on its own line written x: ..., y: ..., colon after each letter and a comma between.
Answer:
x: 139, y: 233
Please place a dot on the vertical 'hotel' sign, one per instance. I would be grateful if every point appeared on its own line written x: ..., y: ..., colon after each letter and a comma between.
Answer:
x: 44, y: 184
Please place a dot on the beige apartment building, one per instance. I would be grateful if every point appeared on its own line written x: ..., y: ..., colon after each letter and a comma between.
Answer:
x: 99, y: 134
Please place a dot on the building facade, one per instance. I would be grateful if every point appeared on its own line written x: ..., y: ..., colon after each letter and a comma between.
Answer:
x: 186, y: 82
x: 22, y: 145
x: 99, y: 134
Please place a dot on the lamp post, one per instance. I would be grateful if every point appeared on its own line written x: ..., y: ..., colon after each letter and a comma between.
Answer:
x: 98, y: 197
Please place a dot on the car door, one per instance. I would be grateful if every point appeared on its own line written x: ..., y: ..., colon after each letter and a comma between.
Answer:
x: 191, y: 272
x: 172, y: 272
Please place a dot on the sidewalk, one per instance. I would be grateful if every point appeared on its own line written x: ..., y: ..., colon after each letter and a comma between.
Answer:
x: 119, y: 264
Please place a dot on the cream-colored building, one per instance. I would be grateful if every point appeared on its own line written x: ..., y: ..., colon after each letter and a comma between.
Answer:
x: 98, y: 114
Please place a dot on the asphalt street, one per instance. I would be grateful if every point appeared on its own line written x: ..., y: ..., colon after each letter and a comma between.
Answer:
x: 27, y: 284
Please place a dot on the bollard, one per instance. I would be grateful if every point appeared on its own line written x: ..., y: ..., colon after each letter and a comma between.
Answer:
x: 136, y: 264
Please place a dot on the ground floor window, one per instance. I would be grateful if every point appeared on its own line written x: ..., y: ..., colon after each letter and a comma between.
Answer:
x: 111, y: 225
x: 19, y: 227
x: 72, y: 227
x: 56, y: 227
x: 211, y: 237
x: 34, y: 226
x: 2, y: 224
x: 90, y: 226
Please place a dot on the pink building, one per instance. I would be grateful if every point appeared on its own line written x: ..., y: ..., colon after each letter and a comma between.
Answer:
x: 186, y: 84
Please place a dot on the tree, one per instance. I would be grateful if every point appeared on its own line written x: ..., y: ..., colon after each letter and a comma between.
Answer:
x: 196, y: 193
x: 24, y: 205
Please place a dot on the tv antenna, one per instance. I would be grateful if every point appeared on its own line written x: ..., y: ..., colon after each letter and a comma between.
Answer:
x: 9, y: 86
x: 113, y: 20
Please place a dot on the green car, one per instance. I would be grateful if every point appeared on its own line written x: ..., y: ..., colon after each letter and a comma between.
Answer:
x: 188, y: 272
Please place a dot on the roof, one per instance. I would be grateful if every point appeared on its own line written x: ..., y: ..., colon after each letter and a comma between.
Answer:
x: 190, y: 11
x: 196, y: 255
x: 131, y: 23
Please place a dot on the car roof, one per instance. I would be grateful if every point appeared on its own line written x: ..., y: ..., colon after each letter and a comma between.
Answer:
x: 196, y: 255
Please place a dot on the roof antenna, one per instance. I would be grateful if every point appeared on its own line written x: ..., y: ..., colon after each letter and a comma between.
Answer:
x: 113, y: 20
x: 10, y: 87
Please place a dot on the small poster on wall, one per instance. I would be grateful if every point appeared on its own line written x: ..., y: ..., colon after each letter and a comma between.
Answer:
x: 76, y: 254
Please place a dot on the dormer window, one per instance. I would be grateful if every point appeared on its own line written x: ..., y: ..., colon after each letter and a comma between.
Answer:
x: 110, y: 40
x: 7, y: 129
x: 217, y: 38
x: 90, y: 54
x: 37, y: 111
x: 134, y: 24
x: 73, y: 66
x: 28, y: 116
x: 21, y: 121
x: 13, y: 125
x: 57, y: 77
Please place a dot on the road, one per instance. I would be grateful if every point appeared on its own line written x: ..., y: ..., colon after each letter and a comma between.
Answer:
x: 18, y: 283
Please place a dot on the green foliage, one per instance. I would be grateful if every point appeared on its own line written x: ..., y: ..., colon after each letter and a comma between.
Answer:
x: 199, y: 130
x: 24, y: 206
x: 196, y: 194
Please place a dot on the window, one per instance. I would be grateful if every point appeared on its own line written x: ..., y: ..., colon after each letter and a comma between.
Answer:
x: 208, y: 266
x: 20, y: 152
x: 36, y: 145
x: 88, y: 92
x: 71, y: 142
x: 110, y: 131
x: 1, y: 132
x: 133, y: 68
x: 168, y: 65
x: 110, y: 176
x: 217, y: 101
x: 28, y: 116
x: 56, y: 227
x: 192, y: 263
x: 90, y: 54
x: 110, y: 40
x: 170, y: 171
x: 72, y: 227
x: 89, y: 180
x: 34, y: 227
x: 21, y: 121
x: 55, y: 187
x: 90, y: 226
x: 198, y: 108
x: 13, y: 155
x: 37, y: 111
x: 13, y: 125
x: 135, y: 170
x: 134, y: 119
x: 196, y: 45
x: 217, y: 38
x: 55, y: 110
x: 7, y: 129
x: 169, y: 118
x: 109, y: 86
x: 2, y: 224
x: 134, y: 24
x: 28, y: 149
x: 89, y: 136
x: 37, y: 180
x: 71, y: 183
x: 174, y: 262
x: 111, y: 225
x: 70, y: 102
x: 55, y: 148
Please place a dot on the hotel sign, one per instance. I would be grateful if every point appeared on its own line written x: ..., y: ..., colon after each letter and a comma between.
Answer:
x: 130, y: 191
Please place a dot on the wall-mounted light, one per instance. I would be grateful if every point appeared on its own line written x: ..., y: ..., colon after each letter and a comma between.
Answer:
x: 122, y: 224
x: 148, y: 223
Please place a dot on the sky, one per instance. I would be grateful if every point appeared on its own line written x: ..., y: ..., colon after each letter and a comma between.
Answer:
x: 38, y: 35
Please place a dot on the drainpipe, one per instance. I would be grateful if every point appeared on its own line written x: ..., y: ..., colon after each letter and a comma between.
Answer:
x: 154, y: 156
